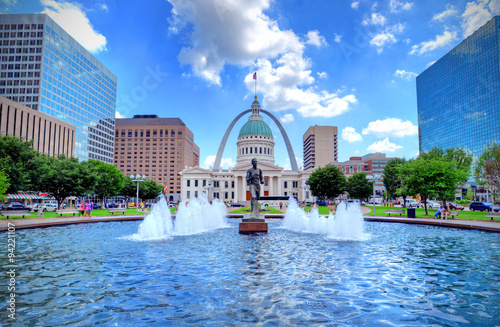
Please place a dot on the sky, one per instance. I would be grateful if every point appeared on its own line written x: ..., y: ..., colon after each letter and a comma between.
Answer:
x: 345, y: 63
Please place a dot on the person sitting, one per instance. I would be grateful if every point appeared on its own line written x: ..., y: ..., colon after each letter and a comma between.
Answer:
x: 446, y: 212
x: 439, y: 212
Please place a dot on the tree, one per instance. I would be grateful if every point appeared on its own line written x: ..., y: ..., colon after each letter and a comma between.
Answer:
x: 470, y: 194
x: 129, y: 189
x: 109, y: 181
x: 4, y: 184
x: 151, y: 189
x: 487, y: 168
x: 17, y: 162
x: 63, y: 177
x: 328, y: 182
x: 462, y: 160
x: 431, y: 177
x: 392, y: 180
x: 359, y: 187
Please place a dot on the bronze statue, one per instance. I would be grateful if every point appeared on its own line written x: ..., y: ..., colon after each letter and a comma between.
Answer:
x: 254, y: 179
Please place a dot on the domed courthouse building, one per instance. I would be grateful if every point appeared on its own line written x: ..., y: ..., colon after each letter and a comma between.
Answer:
x: 255, y: 140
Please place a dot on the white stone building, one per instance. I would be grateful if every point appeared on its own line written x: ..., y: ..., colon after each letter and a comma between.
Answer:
x: 255, y: 140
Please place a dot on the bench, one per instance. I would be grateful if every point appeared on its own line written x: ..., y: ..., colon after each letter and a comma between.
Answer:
x: 14, y: 213
x: 493, y: 215
x: 452, y: 213
x: 113, y: 210
x: 63, y: 211
x: 401, y: 212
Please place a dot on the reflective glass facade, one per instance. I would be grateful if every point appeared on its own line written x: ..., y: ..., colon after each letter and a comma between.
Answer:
x: 44, y: 68
x: 459, y: 96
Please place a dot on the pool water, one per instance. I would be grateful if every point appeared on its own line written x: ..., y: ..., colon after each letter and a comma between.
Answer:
x: 400, y: 275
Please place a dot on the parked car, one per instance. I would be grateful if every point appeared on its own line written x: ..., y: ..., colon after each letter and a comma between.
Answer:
x: 35, y: 207
x: 456, y: 206
x: 15, y: 206
x: 236, y: 205
x: 430, y: 205
x: 480, y: 206
x: 96, y: 206
x: 410, y: 203
x: 321, y: 203
x: 47, y: 207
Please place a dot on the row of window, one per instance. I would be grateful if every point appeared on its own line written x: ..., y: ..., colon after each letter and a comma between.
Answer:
x: 14, y: 27
x: 261, y: 150
x: 216, y: 195
x: 7, y: 35
x: 149, y: 133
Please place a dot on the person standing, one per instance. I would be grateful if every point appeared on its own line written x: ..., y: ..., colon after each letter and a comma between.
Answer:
x: 81, y: 208
x: 88, y: 209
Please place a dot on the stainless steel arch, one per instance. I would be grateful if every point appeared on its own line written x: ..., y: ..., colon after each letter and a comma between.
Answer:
x: 291, y: 155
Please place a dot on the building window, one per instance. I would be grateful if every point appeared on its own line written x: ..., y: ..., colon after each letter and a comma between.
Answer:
x: 188, y: 183
x: 188, y: 194
x: 285, y: 185
x: 195, y: 183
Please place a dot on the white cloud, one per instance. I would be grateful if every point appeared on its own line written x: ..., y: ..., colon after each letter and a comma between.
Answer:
x: 390, y: 127
x: 477, y: 13
x: 349, y: 134
x: 225, y: 162
x: 383, y: 146
x: 430, y: 64
x: 288, y: 118
x: 73, y: 19
x: 439, y: 41
x: 396, y: 5
x: 450, y: 11
x: 355, y: 4
x: 338, y: 38
x: 374, y: 19
x: 314, y: 38
x: 237, y: 32
x: 322, y: 75
x: 386, y: 37
x: 103, y: 7
x: 118, y: 115
x: 404, y: 74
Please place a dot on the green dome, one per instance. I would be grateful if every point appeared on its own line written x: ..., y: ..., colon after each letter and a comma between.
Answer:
x: 255, y: 127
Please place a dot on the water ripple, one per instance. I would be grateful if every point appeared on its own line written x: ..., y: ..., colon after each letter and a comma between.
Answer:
x: 86, y: 275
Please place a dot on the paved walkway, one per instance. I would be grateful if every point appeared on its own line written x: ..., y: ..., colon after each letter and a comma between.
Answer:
x: 492, y: 226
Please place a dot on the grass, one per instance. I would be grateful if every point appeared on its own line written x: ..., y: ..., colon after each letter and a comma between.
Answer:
x: 420, y: 213
x: 95, y: 213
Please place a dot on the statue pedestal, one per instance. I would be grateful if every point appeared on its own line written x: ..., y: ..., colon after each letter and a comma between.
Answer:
x: 250, y: 225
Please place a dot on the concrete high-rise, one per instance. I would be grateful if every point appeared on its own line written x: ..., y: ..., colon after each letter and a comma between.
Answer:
x: 44, y: 68
x: 320, y: 146
x: 458, y: 96
x: 159, y: 148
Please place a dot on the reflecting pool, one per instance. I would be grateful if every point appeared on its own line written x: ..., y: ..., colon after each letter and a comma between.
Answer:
x: 399, y: 275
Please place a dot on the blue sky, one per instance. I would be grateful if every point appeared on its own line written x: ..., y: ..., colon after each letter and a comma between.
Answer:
x: 350, y: 64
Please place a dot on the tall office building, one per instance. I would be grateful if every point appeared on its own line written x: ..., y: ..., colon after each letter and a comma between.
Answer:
x: 320, y: 146
x: 159, y: 148
x: 45, y: 69
x: 459, y: 95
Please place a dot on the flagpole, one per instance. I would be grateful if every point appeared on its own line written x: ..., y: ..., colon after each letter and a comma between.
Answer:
x: 255, y: 78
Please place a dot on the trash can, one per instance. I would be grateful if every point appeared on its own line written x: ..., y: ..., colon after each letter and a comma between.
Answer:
x: 410, y: 212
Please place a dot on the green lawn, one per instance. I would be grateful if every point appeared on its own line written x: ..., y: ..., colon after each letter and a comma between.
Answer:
x: 95, y: 213
x: 420, y: 213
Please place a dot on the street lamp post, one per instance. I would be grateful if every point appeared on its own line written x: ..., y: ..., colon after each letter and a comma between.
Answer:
x: 138, y: 179
x: 207, y: 189
x: 306, y: 188
x: 374, y: 178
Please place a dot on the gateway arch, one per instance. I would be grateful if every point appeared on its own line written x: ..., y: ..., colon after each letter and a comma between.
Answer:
x: 291, y: 155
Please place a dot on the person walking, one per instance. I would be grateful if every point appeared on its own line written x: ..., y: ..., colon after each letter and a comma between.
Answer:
x: 88, y: 208
x: 81, y: 208
x: 281, y: 205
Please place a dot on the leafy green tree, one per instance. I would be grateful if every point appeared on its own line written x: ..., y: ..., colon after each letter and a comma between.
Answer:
x: 359, y: 187
x: 487, y: 168
x: 4, y: 185
x: 109, y: 181
x: 392, y: 180
x: 63, y: 177
x: 151, y: 189
x: 461, y: 158
x: 327, y: 183
x: 470, y: 194
x: 431, y: 177
x: 17, y: 159
x: 129, y: 189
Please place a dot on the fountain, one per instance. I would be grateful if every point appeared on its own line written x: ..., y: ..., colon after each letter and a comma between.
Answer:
x: 195, y: 217
x: 198, y: 270
x: 346, y: 224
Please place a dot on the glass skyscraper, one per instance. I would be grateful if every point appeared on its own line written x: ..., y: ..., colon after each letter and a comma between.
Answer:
x: 459, y: 95
x: 46, y: 69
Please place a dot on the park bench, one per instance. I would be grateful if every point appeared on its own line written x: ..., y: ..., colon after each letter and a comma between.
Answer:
x: 493, y: 215
x: 113, y: 210
x: 63, y: 211
x: 14, y: 213
x: 452, y: 214
x: 401, y: 212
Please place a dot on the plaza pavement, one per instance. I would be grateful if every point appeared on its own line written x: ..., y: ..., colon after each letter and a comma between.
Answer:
x: 23, y: 223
